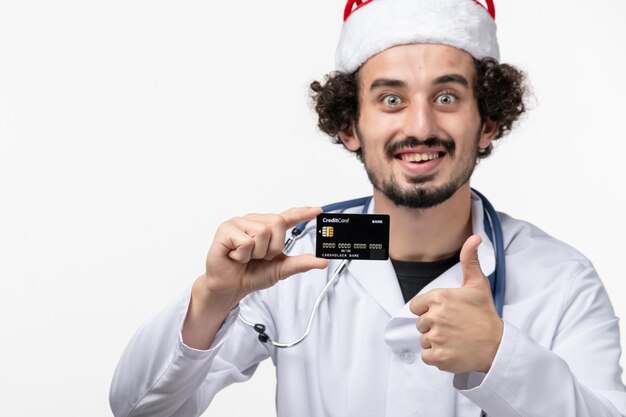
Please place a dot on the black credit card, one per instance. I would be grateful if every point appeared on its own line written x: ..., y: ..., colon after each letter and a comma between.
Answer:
x: 352, y: 236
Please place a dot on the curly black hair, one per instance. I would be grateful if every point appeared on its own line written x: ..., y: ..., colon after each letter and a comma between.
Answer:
x: 500, y: 90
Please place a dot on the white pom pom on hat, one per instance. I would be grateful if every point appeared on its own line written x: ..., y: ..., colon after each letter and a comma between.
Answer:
x: 376, y: 25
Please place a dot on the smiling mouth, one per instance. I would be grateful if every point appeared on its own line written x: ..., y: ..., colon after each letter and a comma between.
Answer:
x: 419, y: 158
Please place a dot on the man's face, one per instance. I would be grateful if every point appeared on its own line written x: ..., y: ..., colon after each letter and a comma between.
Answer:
x: 419, y: 128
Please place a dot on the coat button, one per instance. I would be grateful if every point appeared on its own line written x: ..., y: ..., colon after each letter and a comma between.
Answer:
x: 407, y: 356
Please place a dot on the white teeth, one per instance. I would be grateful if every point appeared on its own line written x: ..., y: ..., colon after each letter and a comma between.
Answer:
x: 418, y: 157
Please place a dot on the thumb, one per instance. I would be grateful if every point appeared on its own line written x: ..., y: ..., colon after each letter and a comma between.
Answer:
x: 472, y: 273
x: 291, y: 265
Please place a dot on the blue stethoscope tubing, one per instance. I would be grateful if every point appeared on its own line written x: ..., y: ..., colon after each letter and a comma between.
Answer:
x: 492, y: 226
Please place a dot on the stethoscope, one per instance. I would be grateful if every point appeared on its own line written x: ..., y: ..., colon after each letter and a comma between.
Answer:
x: 493, y: 228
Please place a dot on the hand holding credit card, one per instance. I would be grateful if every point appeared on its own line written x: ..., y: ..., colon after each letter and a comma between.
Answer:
x: 352, y: 236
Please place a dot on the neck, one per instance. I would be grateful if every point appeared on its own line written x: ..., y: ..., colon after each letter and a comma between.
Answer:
x: 427, y: 234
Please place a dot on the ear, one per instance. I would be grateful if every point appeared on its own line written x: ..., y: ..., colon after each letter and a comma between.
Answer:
x: 489, y: 131
x: 350, y: 139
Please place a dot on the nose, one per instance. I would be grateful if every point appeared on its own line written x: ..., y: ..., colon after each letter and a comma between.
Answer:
x: 420, y: 120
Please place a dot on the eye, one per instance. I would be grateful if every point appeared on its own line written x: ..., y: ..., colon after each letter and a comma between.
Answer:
x: 392, y: 100
x: 446, y: 99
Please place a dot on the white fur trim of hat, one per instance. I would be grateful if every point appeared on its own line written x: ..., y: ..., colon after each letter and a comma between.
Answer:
x: 377, y: 25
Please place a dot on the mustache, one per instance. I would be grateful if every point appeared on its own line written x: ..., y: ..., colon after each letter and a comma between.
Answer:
x: 411, y: 142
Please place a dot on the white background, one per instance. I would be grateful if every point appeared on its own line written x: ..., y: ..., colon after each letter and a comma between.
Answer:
x: 130, y: 129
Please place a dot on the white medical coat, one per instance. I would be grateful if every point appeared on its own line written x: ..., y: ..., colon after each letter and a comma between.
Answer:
x: 559, y: 355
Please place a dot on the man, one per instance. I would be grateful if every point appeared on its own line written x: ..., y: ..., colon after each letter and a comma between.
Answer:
x: 419, y: 96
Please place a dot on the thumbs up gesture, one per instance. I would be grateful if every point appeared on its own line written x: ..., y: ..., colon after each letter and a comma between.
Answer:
x: 460, y: 327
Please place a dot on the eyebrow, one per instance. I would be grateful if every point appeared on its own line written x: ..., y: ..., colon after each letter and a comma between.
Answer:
x: 448, y: 78
x: 452, y: 78
x: 386, y: 82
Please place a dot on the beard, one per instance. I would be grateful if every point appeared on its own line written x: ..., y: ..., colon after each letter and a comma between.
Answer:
x: 416, y: 195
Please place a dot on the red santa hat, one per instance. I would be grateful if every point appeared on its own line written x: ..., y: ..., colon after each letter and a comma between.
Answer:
x: 372, y: 26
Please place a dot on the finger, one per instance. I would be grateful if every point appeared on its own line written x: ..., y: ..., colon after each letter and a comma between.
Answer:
x: 298, y: 215
x: 470, y: 265
x: 233, y: 242
x: 420, y: 304
x: 277, y: 226
x: 428, y: 357
x: 291, y: 265
x: 423, y: 324
x: 258, y: 231
x: 425, y: 342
